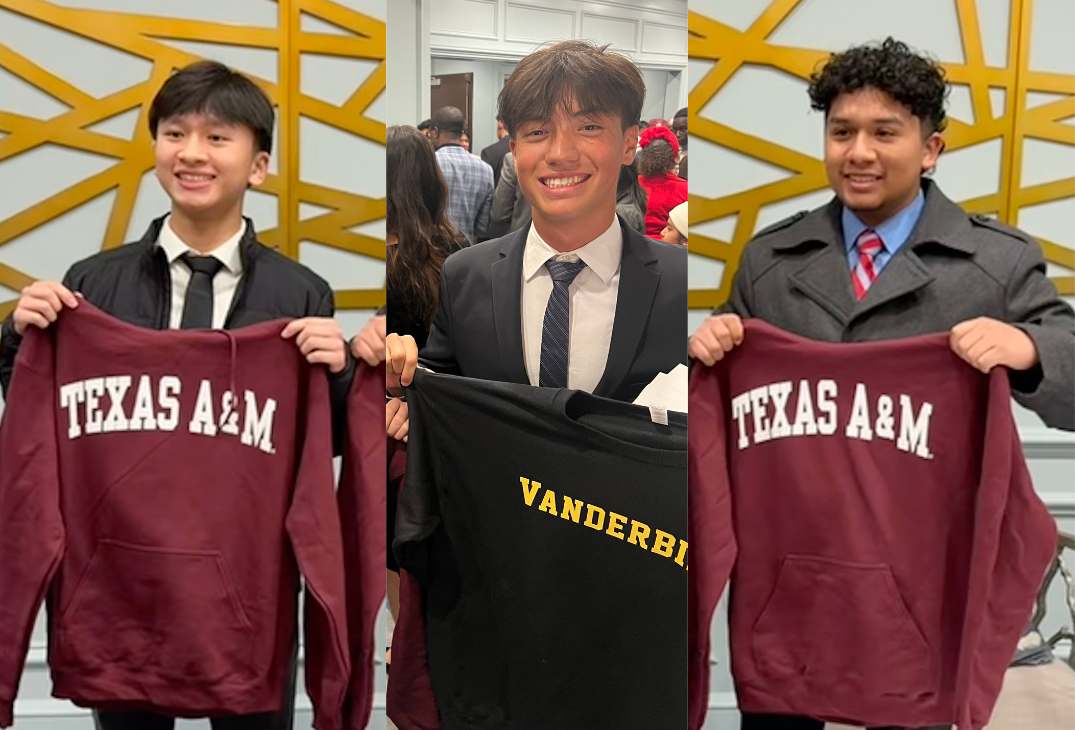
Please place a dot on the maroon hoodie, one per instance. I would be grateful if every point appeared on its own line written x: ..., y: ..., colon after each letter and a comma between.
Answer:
x: 362, y: 513
x: 889, y: 540
x: 164, y: 489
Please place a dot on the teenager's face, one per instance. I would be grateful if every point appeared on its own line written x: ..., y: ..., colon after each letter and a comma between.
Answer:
x: 206, y: 165
x: 568, y: 167
x: 875, y: 153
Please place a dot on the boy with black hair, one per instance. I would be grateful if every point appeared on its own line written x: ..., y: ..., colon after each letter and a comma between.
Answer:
x: 892, y: 257
x: 201, y: 265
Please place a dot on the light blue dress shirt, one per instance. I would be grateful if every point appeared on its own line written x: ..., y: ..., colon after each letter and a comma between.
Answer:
x: 893, y: 233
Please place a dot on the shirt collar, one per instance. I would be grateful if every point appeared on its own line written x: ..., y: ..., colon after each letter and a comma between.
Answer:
x: 601, y: 254
x: 227, y: 253
x: 893, y: 233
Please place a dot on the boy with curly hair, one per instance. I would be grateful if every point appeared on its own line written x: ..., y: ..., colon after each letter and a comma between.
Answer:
x: 891, y: 256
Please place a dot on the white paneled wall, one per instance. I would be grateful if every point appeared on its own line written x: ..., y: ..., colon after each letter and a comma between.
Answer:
x: 437, y: 36
x: 652, y: 32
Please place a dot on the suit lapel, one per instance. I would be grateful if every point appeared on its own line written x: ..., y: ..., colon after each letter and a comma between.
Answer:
x: 638, y: 285
x: 507, y: 283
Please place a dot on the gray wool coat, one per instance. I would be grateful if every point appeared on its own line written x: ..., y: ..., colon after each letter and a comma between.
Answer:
x: 954, y: 267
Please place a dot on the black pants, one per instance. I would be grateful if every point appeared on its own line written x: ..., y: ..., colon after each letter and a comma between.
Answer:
x: 282, y: 720
x: 791, y: 722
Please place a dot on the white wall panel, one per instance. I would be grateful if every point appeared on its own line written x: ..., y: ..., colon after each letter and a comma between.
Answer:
x: 468, y: 18
x: 663, y: 38
x: 527, y: 23
x: 621, y: 33
x: 461, y: 29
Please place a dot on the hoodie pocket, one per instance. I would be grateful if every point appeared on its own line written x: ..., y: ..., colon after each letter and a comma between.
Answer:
x: 844, y: 626
x: 172, y: 613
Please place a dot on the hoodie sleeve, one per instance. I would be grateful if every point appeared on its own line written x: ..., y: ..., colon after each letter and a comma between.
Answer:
x: 712, y: 540
x: 362, y: 501
x: 31, y: 526
x: 313, y: 527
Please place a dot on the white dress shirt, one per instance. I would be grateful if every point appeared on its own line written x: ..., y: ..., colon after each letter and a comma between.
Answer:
x: 592, y: 311
x: 224, y: 283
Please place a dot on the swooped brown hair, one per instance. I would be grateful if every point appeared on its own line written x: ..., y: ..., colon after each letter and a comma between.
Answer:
x: 573, y: 75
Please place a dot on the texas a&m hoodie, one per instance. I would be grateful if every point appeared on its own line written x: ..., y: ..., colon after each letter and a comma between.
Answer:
x: 886, y: 537
x: 163, y: 490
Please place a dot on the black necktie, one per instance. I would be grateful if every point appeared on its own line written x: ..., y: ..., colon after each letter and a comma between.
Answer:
x: 198, y: 305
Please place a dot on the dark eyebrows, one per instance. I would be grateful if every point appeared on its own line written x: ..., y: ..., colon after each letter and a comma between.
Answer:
x: 884, y: 121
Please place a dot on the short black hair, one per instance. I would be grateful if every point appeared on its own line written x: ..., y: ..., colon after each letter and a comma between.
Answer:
x: 423, y: 126
x: 891, y: 67
x: 211, y: 88
x: 448, y: 119
x: 681, y: 113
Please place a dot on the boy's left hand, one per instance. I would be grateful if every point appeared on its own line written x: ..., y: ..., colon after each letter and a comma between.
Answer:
x: 320, y: 340
x: 985, y: 343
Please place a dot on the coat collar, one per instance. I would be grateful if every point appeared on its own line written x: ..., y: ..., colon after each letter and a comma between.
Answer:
x: 248, y: 244
x: 825, y: 278
x: 942, y: 223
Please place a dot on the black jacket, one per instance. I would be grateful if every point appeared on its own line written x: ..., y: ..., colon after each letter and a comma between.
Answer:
x: 477, y: 330
x: 493, y: 155
x: 132, y: 283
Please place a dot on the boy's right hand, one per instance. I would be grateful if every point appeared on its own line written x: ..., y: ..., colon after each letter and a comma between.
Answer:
x: 397, y: 423
x: 40, y: 304
x: 717, y: 335
x: 401, y: 363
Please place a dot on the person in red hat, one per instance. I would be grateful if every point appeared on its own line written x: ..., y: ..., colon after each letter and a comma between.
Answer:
x: 664, y: 189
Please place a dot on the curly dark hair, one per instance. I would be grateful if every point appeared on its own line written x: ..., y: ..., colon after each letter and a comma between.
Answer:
x: 915, y: 81
x: 656, y: 159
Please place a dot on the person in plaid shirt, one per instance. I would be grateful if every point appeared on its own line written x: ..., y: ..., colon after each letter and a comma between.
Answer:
x: 470, y: 181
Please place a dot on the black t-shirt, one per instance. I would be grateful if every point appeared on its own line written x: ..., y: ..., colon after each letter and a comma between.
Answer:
x: 548, y: 528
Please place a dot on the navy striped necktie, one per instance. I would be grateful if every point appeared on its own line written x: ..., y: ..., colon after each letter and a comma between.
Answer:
x: 554, y: 330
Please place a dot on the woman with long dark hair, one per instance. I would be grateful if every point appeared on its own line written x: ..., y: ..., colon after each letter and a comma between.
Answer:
x: 419, y: 239
x: 419, y: 235
x: 663, y: 189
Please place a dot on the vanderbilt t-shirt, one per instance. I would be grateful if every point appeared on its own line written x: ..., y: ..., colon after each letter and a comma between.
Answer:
x: 548, y: 528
